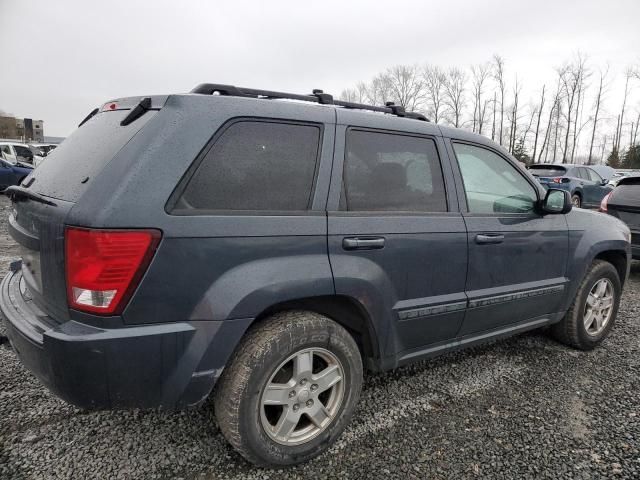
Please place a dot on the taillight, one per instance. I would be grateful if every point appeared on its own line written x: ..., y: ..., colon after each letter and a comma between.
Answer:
x: 604, y: 204
x: 103, y: 267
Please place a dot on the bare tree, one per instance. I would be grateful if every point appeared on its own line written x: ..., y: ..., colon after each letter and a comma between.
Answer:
x: 571, y: 77
x: 480, y: 74
x: 404, y: 84
x: 601, y: 88
x: 493, y: 118
x: 498, y: 75
x: 628, y: 74
x: 434, y: 82
x: 577, y: 127
x: 535, y: 141
x: 514, y: 116
x: 454, y: 98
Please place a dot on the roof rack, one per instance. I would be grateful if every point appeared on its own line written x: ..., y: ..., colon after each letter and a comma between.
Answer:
x: 318, y: 96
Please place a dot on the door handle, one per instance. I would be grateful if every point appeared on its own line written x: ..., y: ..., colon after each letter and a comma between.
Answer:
x: 360, y: 243
x: 487, y: 238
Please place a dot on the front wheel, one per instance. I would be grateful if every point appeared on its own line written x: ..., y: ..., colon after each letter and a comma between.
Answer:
x: 593, y: 312
x: 290, y: 388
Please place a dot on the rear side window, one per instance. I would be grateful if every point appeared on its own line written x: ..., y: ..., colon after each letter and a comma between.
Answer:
x: 582, y: 173
x: 256, y: 165
x: 392, y: 172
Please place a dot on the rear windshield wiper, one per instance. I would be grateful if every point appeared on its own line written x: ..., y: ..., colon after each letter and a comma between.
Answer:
x: 136, y: 112
x: 15, y: 193
x: 89, y: 117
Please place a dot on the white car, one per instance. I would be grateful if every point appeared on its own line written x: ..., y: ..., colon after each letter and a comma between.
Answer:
x: 21, y: 153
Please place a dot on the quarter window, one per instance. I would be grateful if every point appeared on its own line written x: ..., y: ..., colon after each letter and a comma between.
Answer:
x: 256, y: 165
x: 491, y: 183
x: 391, y: 172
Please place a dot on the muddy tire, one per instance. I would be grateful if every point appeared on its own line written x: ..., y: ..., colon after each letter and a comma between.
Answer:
x: 593, y: 312
x: 290, y: 388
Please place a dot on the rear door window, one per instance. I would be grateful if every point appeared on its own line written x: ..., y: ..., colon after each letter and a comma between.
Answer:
x: 392, y: 172
x: 256, y: 166
x: 593, y: 176
x: 582, y: 173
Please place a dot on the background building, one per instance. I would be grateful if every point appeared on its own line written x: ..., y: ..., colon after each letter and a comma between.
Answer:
x: 22, y: 129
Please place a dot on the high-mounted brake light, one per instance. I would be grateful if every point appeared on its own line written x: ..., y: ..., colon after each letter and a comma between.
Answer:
x: 109, y: 106
x: 103, y: 267
x: 604, y: 204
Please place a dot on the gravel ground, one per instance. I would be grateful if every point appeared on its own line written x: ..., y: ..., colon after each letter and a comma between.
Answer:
x: 521, y: 408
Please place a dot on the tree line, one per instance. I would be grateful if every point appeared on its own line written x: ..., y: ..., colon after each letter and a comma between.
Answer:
x: 572, y: 119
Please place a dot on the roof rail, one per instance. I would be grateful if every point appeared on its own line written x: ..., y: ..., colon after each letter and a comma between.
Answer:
x: 318, y: 96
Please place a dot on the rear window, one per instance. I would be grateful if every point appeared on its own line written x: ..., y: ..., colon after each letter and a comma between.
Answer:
x: 547, y: 171
x: 84, y: 154
x: 627, y: 193
x: 256, y: 165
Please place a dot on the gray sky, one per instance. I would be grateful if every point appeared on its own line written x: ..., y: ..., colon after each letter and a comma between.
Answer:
x: 60, y: 59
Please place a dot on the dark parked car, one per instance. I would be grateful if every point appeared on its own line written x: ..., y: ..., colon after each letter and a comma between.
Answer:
x: 274, y: 248
x: 586, y: 186
x: 12, y: 174
x: 624, y: 203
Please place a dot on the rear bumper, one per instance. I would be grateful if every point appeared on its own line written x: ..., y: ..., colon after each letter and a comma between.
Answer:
x: 166, y: 366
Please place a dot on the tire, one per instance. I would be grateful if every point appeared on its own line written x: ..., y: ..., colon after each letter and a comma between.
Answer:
x: 250, y: 426
x: 572, y: 329
x: 576, y: 200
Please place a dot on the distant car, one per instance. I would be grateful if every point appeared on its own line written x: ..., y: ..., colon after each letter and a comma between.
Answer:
x: 619, y: 175
x: 623, y: 202
x: 16, y: 152
x: 604, y: 171
x: 12, y: 174
x: 586, y: 186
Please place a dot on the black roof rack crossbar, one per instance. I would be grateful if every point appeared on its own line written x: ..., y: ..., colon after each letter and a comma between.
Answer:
x: 318, y: 96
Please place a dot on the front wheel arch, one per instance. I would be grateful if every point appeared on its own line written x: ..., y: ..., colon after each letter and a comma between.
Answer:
x: 616, y: 258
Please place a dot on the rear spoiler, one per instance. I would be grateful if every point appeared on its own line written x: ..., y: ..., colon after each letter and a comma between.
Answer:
x: 138, y: 106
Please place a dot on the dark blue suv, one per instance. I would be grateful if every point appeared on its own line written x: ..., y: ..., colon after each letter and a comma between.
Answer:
x: 237, y: 243
x: 586, y: 186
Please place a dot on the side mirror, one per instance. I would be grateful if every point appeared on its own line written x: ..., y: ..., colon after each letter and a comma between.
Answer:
x: 557, y: 201
x: 604, y: 182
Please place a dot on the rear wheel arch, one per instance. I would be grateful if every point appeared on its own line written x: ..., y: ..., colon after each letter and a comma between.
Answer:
x: 344, y: 310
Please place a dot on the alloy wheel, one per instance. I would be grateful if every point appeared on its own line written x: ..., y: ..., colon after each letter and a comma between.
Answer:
x: 599, y: 307
x: 302, y: 397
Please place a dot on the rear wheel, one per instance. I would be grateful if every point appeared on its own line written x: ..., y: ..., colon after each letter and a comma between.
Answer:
x: 290, y: 388
x: 593, y: 312
x: 576, y: 200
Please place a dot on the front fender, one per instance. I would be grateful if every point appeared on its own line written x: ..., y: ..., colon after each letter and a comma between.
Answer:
x: 591, y: 234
